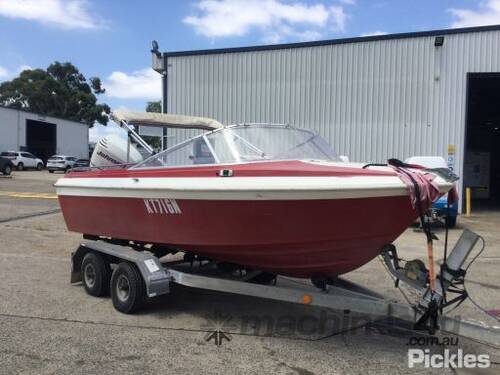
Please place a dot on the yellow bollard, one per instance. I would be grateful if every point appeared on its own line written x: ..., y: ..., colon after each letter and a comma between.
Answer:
x: 467, y: 201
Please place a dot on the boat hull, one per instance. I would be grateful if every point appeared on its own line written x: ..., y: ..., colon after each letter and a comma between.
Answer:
x: 300, y: 238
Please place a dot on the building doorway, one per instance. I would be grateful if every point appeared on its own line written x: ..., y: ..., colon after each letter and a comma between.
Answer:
x: 482, y: 142
x: 41, y: 138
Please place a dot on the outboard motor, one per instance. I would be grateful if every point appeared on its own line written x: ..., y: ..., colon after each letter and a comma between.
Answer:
x: 112, y: 150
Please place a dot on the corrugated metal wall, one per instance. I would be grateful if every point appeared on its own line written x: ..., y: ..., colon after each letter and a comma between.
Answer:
x: 371, y: 100
x: 72, y: 136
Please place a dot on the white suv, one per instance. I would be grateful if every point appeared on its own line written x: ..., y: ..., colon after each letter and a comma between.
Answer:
x: 23, y: 160
x: 60, y: 163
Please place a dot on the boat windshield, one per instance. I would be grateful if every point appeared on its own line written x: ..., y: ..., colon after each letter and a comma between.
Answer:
x: 244, y: 143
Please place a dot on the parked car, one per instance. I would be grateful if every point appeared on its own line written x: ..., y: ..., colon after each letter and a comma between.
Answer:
x: 81, y: 163
x: 60, y: 163
x: 6, y: 166
x: 23, y: 160
x: 439, y: 210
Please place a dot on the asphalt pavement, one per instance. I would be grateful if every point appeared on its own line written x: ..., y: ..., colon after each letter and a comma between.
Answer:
x: 49, y: 326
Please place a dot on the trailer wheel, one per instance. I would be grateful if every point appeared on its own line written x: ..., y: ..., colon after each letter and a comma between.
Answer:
x: 96, y: 274
x: 128, y: 291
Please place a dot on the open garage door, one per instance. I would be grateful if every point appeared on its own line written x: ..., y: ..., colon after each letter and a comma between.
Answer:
x: 41, y: 138
x: 482, y: 156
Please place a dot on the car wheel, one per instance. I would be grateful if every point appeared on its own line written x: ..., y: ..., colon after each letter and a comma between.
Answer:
x: 51, y: 171
x: 96, y: 274
x: 451, y: 221
x: 128, y: 291
x: 39, y: 166
x: 7, y: 170
x: 20, y: 167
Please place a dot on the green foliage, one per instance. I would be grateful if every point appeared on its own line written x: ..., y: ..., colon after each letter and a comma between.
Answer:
x: 60, y: 91
x: 154, y: 142
x: 154, y: 106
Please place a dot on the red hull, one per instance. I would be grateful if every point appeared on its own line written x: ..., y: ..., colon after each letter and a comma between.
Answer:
x: 300, y: 238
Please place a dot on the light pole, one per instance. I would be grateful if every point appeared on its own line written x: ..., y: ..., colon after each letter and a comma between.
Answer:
x: 159, y: 64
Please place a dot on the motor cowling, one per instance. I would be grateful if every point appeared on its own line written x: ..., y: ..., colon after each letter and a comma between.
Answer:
x: 112, y: 150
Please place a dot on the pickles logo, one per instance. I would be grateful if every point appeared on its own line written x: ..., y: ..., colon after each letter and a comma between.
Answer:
x: 447, y: 360
x: 162, y: 206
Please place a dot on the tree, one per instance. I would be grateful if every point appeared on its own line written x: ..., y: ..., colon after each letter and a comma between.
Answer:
x: 60, y: 91
x: 155, y: 106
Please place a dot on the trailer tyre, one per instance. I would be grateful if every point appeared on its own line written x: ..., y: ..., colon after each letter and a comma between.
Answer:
x: 128, y: 291
x: 96, y: 274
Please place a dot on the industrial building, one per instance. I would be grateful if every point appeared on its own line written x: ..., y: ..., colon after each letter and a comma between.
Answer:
x: 432, y: 93
x: 42, y: 135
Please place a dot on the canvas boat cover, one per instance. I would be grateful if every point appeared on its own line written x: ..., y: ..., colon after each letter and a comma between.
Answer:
x: 165, y: 120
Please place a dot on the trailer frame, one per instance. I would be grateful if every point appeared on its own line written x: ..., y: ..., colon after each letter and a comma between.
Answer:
x: 343, y: 295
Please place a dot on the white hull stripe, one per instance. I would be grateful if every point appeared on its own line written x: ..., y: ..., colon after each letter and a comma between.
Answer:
x: 237, y: 188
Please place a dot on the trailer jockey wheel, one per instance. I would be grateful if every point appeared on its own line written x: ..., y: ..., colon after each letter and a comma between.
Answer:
x: 128, y: 291
x: 96, y: 274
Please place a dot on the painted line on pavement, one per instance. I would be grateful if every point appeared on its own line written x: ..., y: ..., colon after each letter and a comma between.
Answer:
x: 21, y: 194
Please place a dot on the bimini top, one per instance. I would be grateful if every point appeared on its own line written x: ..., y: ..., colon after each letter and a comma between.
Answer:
x: 166, y: 120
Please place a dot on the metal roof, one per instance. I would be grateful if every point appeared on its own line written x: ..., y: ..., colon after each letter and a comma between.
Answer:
x: 43, y: 115
x: 417, y: 34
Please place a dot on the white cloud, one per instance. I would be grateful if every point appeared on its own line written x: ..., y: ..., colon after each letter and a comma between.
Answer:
x: 275, y: 19
x: 68, y: 14
x: 374, y: 33
x: 348, y: 2
x: 23, y: 68
x: 99, y: 131
x: 338, y: 17
x: 285, y: 32
x: 11, y: 73
x: 487, y: 14
x: 141, y: 84
x: 3, y: 72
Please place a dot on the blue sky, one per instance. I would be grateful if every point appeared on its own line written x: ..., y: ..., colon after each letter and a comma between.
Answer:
x: 111, y: 39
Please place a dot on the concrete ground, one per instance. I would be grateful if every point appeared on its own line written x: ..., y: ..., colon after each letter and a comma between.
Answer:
x: 49, y: 326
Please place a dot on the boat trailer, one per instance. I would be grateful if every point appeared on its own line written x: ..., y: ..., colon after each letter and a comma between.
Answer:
x: 137, y: 275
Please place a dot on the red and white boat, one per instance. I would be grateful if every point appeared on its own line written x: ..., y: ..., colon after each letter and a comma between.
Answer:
x: 268, y: 197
